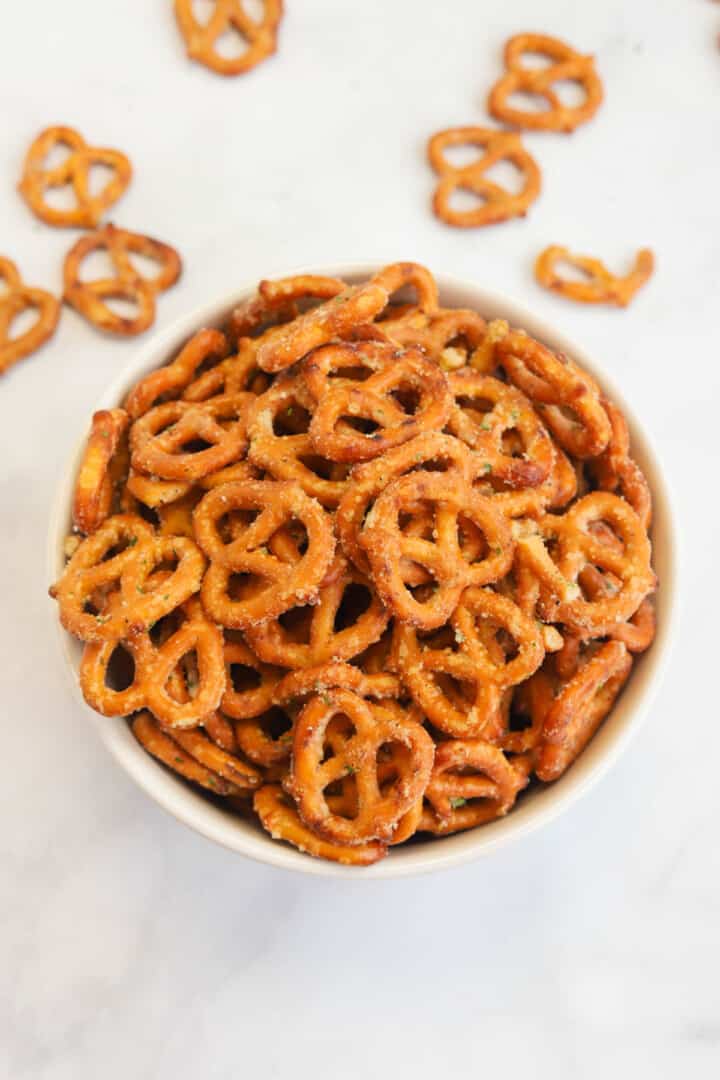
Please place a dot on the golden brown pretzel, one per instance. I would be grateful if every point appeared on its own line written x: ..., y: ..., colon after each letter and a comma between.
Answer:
x: 280, y: 818
x: 74, y: 170
x: 472, y: 782
x: 497, y: 204
x: 201, y: 38
x: 599, y: 286
x: 15, y: 298
x: 567, y: 66
x: 150, y: 735
x: 173, y: 378
x: 158, y: 439
x: 88, y: 297
x: 92, y: 501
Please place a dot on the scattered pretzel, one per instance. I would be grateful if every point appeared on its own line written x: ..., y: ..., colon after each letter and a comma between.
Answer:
x: 88, y: 297
x: 567, y: 65
x: 16, y: 298
x: 92, y: 502
x: 37, y: 178
x: 600, y: 286
x: 201, y: 38
x: 497, y: 204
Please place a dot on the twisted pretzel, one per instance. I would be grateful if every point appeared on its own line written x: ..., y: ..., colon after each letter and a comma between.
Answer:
x: 280, y: 297
x: 278, y: 585
x: 74, y: 170
x: 616, y: 470
x: 150, y: 735
x: 15, y: 298
x: 279, y: 817
x: 92, y: 501
x: 251, y: 684
x: 497, y: 204
x: 451, y: 338
x: 600, y: 286
x: 158, y: 438
x: 88, y: 297
x: 568, y: 65
x: 317, y: 680
x: 355, y: 731
x: 201, y: 39
x: 171, y: 380
x: 472, y: 782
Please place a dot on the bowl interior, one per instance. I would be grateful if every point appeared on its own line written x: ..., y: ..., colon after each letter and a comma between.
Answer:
x: 539, y: 804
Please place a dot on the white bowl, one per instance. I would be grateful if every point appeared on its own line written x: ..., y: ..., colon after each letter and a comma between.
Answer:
x: 539, y: 805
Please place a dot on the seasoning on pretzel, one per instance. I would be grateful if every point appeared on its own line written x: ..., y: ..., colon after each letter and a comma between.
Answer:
x: 599, y: 286
x: 566, y: 65
x: 201, y: 38
x: 16, y: 298
x: 363, y: 565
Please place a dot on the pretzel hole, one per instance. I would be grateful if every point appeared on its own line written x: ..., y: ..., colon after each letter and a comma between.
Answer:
x: 462, y: 155
x: 242, y: 587
x: 388, y: 760
x: 203, y: 10
x: 275, y: 723
x: 512, y: 443
x: 254, y: 9
x: 407, y: 397
x: 57, y: 155
x: 122, y: 306
x: 96, y: 266
x: 535, y: 60
x: 475, y: 407
x: 293, y: 420
x: 507, y: 175
x: 460, y: 694
x: 120, y: 671
x: 99, y: 176
x: 362, y: 424
x: 60, y: 197
x: 146, y: 266
x: 527, y: 102
x: 194, y: 446
x: 519, y: 718
x: 570, y: 92
x: 297, y: 623
x: 463, y: 199
x: 244, y: 678
x: 322, y: 467
x: 356, y: 600
x: 22, y: 323
x: 569, y: 271
x: 231, y: 43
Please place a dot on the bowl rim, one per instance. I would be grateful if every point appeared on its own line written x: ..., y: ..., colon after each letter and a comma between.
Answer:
x: 190, y: 807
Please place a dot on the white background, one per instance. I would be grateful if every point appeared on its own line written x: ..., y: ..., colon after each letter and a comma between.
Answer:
x: 132, y: 948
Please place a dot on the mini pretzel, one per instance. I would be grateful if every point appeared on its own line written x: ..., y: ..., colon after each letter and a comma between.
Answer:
x: 152, y: 491
x: 221, y: 763
x: 555, y: 384
x: 530, y: 461
x: 15, y: 298
x: 280, y: 296
x: 279, y: 817
x: 285, y: 345
x: 388, y: 550
x: 601, y: 287
x: 90, y: 569
x: 472, y: 782
x: 88, y: 297
x: 267, y: 738
x: 497, y: 204
x: 74, y: 170
x: 259, y: 694
x: 201, y: 38
x: 451, y: 338
x: 92, y: 502
x: 150, y: 735
x: 355, y: 730
x: 317, y: 680
x: 568, y: 66
x: 616, y: 470
x: 580, y: 707
x: 311, y: 638
x: 158, y: 438
x: 171, y: 380
x: 403, y: 275
x: 289, y: 453
x: 280, y: 584
x: 407, y: 371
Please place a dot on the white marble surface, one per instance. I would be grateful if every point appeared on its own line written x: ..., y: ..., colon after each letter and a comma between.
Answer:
x: 132, y: 948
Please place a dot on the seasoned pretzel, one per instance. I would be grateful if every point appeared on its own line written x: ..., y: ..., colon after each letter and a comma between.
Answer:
x: 251, y: 685
x: 356, y: 731
x: 310, y: 637
x: 171, y: 380
x: 152, y: 491
x: 267, y: 738
x: 201, y: 38
x: 280, y: 296
x: 599, y: 286
x: 567, y: 66
x: 89, y: 208
x: 616, y: 471
x: 403, y: 275
x: 280, y: 818
x: 284, y: 345
x: 389, y: 550
x: 151, y: 736
x: 279, y: 585
x: 158, y: 438
x: 408, y: 372
x: 555, y: 384
x: 226, y: 765
x: 93, y: 498
x: 88, y: 297
x: 317, y: 680
x: 497, y: 204
x: 580, y: 707
x: 472, y: 782
x: 451, y: 338
x: 16, y: 298
x: 527, y: 463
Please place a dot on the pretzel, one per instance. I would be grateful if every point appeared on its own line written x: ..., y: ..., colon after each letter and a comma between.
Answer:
x: 355, y: 731
x: 279, y: 585
x: 317, y: 680
x: 267, y: 738
x: 149, y: 734
x: 201, y: 38
x: 497, y: 204
x: 251, y: 685
x: 616, y: 470
x: 171, y: 380
x: 152, y: 491
x: 92, y: 501
x: 403, y: 275
x: 90, y: 569
x: 554, y: 384
x: 311, y: 639
x: 285, y: 345
x: 388, y: 549
x: 599, y: 286
x: 408, y: 372
x: 89, y: 208
x: 458, y: 681
x: 221, y: 763
x: 280, y: 443
x: 158, y: 438
x: 452, y: 338
x: 579, y: 708
x: 278, y: 298
x: 567, y: 66
x: 15, y: 298
x: 281, y: 820
x: 472, y: 782
x: 88, y: 297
